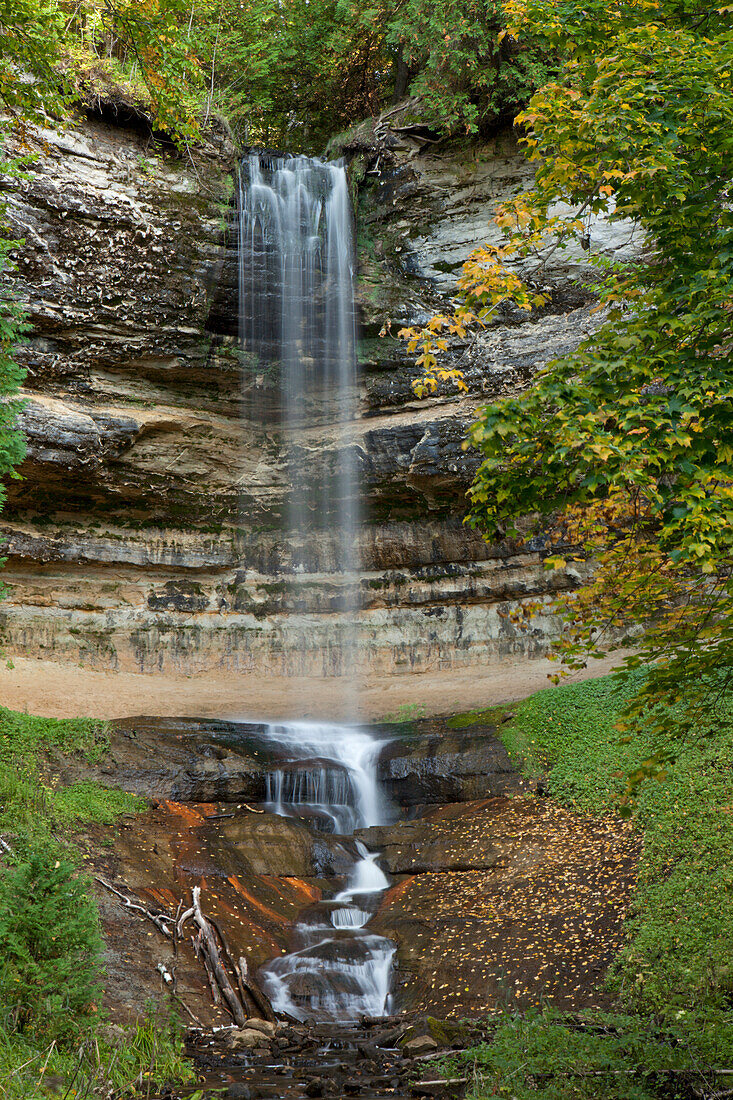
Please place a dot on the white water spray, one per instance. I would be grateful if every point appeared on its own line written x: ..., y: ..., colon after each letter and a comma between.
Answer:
x: 297, y: 331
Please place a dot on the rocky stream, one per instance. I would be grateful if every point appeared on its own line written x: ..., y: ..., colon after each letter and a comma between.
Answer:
x: 496, y: 897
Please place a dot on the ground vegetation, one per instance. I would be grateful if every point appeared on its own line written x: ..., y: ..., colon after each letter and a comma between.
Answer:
x: 52, y: 1025
x: 672, y: 1024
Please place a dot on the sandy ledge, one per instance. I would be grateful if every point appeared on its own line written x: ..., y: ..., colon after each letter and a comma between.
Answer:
x: 66, y: 691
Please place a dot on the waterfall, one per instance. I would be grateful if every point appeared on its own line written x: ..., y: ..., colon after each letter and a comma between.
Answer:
x: 297, y: 332
x: 297, y: 335
x: 332, y: 773
x: 338, y: 970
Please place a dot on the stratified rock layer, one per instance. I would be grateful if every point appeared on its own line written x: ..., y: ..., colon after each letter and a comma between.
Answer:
x: 145, y: 533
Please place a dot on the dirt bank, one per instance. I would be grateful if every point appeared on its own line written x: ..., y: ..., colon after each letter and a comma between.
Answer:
x: 65, y: 691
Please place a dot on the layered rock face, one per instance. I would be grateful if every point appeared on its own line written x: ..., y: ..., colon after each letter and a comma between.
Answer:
x: 146, y: 532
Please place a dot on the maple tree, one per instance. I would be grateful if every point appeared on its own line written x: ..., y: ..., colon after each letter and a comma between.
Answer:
x: 622, y: 450
x: 152, y: 34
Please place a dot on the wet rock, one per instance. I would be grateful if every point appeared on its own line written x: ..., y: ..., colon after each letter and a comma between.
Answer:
x: 239, y: 1091
x: 429, y: 763
x: 140, y: 469
x: 245, y: 1038
x: 267, y: 1027
x: 185, y: 761
x: 413, y: 848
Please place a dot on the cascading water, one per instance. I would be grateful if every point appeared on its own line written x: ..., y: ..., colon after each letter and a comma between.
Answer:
x: 297, y: 331
x: 296, y: 270
x: 337, y: 970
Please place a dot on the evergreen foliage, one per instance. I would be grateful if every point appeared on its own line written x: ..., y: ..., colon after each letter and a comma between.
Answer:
x: 50, y: 946
x: 291, y: 74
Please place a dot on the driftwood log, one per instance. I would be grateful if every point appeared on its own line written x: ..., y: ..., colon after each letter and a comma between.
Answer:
x: 209, y: 946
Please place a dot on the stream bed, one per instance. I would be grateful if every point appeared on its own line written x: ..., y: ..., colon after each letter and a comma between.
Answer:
x: 328, y: 1060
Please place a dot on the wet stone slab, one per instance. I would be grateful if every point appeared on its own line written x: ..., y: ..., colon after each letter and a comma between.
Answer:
x: 508, y: 901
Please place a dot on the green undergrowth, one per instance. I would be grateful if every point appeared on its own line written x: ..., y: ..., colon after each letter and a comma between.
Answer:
x: 680, y: 933
x: 53, y: 1036
x: 33, y: 802
x: 136, y: 1062
x: 546, y: 1055
x: 673, y: 979
x: 24, y: 736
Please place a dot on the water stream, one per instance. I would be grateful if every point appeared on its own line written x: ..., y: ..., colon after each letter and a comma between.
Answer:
x: 297, y: 334
x: 338, y: 969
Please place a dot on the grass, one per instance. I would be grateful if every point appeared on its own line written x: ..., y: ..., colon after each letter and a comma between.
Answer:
x: 146, y: 1056
x: 24, y: 736
x: 673, y: 979
x: 32, y: 803
x: 548, y: 1056
x: 489, y: 716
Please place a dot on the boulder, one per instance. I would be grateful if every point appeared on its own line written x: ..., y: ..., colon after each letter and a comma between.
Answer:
x: 266, y: 1027
x: 421, y: 1044
x: 246, y: 1038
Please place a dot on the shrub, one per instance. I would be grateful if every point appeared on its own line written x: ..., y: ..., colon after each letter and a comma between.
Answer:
x: 50, y: 946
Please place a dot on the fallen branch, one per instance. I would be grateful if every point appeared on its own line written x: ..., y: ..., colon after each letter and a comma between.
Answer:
x: 183, y: 1004
x: 212, y: 958
x: 160, y: 920
x: 213, y: 984
x: 261, y: 1000
x: 232, y: 965
x: 440, y: 1081
x: 206, y: 949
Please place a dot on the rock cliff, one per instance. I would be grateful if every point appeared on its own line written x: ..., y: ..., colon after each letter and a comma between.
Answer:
x: 144, y: 533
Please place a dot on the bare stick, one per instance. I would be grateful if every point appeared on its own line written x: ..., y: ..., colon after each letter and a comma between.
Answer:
x: 261, y: 1000
x: 160, y: 920
x: 215, y: 994
x: 214, y: 959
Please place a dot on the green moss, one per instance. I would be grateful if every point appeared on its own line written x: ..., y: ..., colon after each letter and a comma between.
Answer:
x: 407, y: 713
x: 32, y: 748
x: 490, y: 716
x: 90, y: 802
